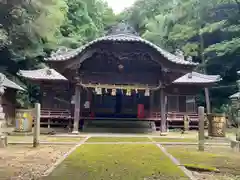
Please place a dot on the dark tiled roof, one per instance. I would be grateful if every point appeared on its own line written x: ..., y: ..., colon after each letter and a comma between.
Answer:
x: 197, y: 78
x: 42, y: 74
x: 10, y: 84
x: 62, y: 56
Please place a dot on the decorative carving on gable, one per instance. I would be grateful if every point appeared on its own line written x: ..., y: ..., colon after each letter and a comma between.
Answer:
x: 61, y: 51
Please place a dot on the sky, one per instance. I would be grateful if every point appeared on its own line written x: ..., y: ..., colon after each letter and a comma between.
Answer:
x: 119, y: 5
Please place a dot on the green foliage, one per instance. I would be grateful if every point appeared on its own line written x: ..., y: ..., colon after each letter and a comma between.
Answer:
x: 86, y: 20
x: 31, y: 29
x: 208, y: 30
x: 26, y: 26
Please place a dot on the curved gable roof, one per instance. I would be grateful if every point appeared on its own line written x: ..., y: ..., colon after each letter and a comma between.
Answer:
x: 69, y: 54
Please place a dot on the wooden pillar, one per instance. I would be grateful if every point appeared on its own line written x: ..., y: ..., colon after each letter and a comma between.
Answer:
x: 77, y: 109
x: 207, y: 99
x: 201, y: 129
x: 49, y: 123
x: 163, y: 111
x: 36, y: 134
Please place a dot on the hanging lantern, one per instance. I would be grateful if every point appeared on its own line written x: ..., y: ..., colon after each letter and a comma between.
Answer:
x: 113, y: 92
x: 128, y: 93
x: 136, y: 90
x: 106, y: 91
x: 147, y: 92
x: 98, y: 91
x: 73, y: 99
x: 121, y: 91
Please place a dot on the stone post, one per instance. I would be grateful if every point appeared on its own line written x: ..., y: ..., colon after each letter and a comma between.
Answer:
x: 3, y: 140
x: 36, y: 134
x: 201, y: 136
x: 238, y: 113
x: 2, y: 114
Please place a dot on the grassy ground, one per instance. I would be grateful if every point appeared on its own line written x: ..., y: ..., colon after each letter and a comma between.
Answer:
x: 117, y: 162
x: 223, y: 158
x: 118, y: 139
x: 44, y: 138
x: 190, y: 140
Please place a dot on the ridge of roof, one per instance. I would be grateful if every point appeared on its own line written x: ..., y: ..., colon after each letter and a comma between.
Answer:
x: 119, y: 37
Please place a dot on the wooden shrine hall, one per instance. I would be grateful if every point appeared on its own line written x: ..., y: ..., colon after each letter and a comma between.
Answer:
x: 119, y: 76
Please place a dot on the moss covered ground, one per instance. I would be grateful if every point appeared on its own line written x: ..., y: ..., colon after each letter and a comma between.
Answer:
x: 117, y: 162
x: 221, y: 158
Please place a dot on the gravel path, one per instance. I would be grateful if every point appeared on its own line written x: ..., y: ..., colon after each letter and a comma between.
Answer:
x: 26, y: 163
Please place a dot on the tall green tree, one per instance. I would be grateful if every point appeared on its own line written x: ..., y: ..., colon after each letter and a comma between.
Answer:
x: 25, y: 26
x: 206, y: 30
x: 86, y: 20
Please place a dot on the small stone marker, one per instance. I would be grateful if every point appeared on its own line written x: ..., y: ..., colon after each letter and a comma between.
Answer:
x: 36, y: 134
x: 186, y: 123
x: 201, y: 128
x: 235, y: 145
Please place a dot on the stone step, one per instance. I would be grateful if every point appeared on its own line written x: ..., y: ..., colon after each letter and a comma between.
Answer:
x: 119, y: 126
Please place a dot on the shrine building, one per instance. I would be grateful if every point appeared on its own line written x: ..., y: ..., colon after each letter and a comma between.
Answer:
x: 119, y: 76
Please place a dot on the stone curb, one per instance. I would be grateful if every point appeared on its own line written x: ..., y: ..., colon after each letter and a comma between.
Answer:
x: 43, y: 143
x: 119, y: 135
x: 59, y: 161
x: 176, y: 162
x: 74, y: 143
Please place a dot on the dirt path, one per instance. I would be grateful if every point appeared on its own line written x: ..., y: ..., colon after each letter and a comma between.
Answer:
x: 26, y: 163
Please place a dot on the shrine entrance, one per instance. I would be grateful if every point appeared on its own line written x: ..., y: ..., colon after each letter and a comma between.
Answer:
x: 121, y: 106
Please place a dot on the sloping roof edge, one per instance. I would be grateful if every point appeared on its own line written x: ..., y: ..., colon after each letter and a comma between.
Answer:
x: 197, y: 78
x: 68, y: 54
x: 42, y: 74
x: 236, y: 95
x: 7, y: 83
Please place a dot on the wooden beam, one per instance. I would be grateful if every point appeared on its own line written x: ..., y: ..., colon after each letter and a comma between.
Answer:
x: 124, y: 87
x: 77, y: 107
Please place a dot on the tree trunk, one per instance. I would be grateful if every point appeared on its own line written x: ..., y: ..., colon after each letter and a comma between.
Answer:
x: 206, y: 90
